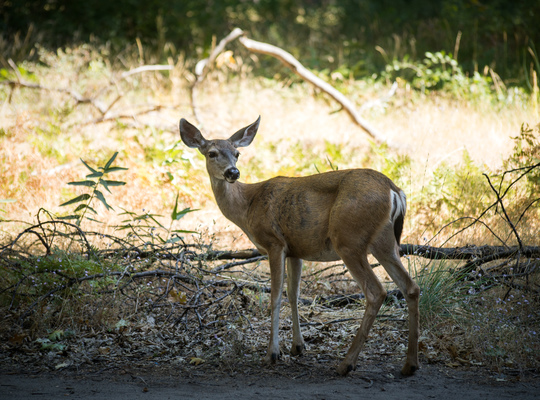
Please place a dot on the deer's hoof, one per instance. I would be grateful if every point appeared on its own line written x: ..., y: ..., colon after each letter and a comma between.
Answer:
x: 344, y: 368
x: 271, y: 358
x: 408, y: 369
x: 297, y: 349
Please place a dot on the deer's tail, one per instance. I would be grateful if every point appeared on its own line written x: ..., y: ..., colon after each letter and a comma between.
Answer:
x: 398, y: 211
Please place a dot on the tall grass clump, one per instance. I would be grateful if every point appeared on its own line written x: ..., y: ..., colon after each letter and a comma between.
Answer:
x: 442, y: 291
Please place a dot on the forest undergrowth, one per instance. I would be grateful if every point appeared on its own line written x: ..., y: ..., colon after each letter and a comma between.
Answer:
x: 108, y: 228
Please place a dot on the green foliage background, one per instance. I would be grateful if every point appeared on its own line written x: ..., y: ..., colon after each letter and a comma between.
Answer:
x: 322, y: 33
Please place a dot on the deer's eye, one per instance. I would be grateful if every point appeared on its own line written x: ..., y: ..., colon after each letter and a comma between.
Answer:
x: 212, y: 154
x: 236, y: 155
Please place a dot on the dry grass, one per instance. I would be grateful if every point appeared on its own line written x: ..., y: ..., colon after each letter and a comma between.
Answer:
x: 43, y: 134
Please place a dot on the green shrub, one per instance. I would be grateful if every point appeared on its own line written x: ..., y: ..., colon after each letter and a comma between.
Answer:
x: 94, y: 181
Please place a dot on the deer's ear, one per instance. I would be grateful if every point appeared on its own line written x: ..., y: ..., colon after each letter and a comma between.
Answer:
x: 245, y: 136
x: 190, y: 135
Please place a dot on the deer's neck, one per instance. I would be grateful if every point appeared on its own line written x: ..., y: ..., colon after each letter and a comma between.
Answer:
x: 232, y: 199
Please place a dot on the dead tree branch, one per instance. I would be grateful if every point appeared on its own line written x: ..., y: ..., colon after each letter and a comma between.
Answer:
x: 80, y: 99
x: 203, y: 66
x: 291, y: 62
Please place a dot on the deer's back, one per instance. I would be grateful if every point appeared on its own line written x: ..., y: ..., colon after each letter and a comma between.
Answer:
x: 306, y: 213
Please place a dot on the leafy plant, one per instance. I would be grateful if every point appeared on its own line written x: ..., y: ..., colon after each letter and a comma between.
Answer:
x: 147, y: 227
x: 395, y: 166
x: 10, y: 74
x: 95, y: 180
x: 439, y: 71
x: 526, y: 155
x: 515, y: 341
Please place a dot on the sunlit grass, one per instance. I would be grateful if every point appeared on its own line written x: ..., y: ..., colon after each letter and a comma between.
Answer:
x: 439, y: 147
x: 440, y: 144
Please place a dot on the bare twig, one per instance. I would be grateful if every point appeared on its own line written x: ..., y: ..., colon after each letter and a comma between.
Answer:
x: 80, y: 99
x: 507, y: 218
x: 73, y: 93
x: 236, y: 263
x: 146, y: 68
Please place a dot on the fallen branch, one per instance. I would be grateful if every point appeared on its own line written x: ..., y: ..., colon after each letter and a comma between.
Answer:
x: 429, y: 252
x: 203, y: 66
x: 146, y: 68
x: 468, y: 252
x: 230, y: 265
x: 80, y: 99
x: 105, y: 118
x: 291, y: 62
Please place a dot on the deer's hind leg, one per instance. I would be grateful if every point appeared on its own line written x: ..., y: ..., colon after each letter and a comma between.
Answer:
x: 360, y: 269
x: 385, y: 250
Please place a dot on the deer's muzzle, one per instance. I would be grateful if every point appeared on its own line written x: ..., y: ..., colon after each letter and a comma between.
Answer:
x: 232, y: 175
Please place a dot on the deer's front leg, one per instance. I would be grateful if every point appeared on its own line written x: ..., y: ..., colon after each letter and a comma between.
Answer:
x: 294, y: 272
x: 276, y: 258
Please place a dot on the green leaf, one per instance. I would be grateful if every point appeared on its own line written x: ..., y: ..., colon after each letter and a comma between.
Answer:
x: 121, y: 324
x: 175, y: 215
x: 88, y: 166
x: 56, y: 335
x: 146, y: 217
x: 182, y: 214
x: 106, y: 183
x: 46, y: 344
x: 183, y: 231
x: 111, y: 160
x: 113, y: 183
x: 83, y: 206
x: 126, y: 212
x: 114, y: 169
x: 77, y: 199
x: 95, y: 220
x: 70, y: 217
x: 156, y: 221
x: 95, y: 174
x: 83, y: 183
x: 101, y: 198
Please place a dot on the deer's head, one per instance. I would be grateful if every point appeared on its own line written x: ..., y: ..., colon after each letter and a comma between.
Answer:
x: 221, y: 155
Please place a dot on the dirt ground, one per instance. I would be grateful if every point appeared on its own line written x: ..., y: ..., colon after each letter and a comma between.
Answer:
x: 293, y: 380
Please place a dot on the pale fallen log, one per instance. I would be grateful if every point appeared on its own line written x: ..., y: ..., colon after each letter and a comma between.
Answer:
x: 203, y: 66
x: 291, y: 62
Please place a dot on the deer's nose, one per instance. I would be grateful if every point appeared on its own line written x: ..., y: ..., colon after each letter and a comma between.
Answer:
x: 232, y: 174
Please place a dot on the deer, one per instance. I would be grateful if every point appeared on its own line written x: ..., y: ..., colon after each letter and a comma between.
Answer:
x: 335, y: 215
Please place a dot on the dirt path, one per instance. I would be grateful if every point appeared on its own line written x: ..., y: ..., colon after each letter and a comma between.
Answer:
x: 431, y: 382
